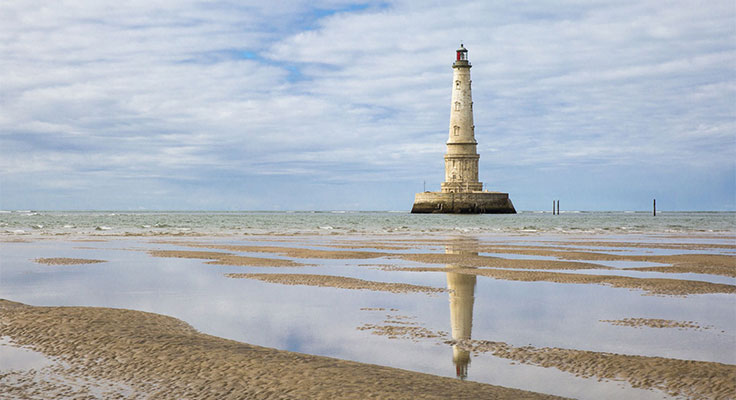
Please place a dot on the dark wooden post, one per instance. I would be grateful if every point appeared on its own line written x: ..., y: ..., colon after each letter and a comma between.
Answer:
x: 654, y: 207
x: 558, y: 207
x: 553, y: 206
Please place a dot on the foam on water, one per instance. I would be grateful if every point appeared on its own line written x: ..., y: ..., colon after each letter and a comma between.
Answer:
x: 336, y: 222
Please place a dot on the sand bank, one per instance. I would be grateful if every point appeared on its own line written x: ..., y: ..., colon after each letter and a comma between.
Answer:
x: 218, y: 258
x: 687, y: 378
x: 655, y: 323
x: 161, y: 357
x: 294, y: 252
x: 370, y: 245
x: 691, y: 379
x: 465, y: 254
x: 67, y: 261
x: 468, y: 260
x: 474, y: 260
x: 715, y: 264
x: 407, y: 331
x: 676, y: 287
x: 659, y: 245
x: 401, y: 327
x: 340, y: 282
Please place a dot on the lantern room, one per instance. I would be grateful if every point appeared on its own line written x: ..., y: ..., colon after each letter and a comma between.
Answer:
x: 462, y: 53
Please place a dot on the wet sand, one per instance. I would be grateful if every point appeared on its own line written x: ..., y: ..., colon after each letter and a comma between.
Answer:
x: 470, y: 263
x: 141, y: 353
x: 161, y: 357
x: 658, y: 286
x: 295, y: 252
x: 715, y: 264
x: 691, y: 379
x: 655, y: 323
x: 67, y: 261
x: 338, y: 282
x: 572, y: 257
x: 218, y: 258
x: 474, y: 260
x: 657, y: 245
x: 686, y: 378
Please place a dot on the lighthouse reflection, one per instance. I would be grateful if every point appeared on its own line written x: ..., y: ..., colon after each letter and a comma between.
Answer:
x: 462, y: 297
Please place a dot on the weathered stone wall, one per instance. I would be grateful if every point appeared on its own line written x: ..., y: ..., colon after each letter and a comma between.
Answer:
x: 462, y: 128
x: 461, y: 159
x: 463, y: 203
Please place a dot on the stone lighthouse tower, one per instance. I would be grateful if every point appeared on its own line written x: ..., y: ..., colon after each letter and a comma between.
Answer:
x: 462, y: 192
x: 461, y: 159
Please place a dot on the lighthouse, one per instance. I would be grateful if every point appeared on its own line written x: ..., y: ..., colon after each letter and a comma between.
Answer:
x: 462, y: 192
x: 461, y: 159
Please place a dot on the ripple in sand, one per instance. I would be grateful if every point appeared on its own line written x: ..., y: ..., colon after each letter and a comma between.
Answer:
x: 654, y: 286
x: 655, y: 323
x: 338, y: 282
x: 161, y: 357
x: 67, y: 261
x: 218, y: 258
x: 692, y: 379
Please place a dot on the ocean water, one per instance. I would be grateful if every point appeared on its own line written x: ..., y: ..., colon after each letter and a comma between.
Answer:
x: 337, y: 222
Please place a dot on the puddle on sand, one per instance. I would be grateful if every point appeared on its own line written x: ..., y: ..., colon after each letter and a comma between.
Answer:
x: 14, y: 357
x: 30, y: 374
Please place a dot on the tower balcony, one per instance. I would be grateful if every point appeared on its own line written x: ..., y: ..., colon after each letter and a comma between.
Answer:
x: 461, y: 64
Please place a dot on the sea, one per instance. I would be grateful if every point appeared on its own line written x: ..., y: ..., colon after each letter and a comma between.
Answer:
x: 152, y: 223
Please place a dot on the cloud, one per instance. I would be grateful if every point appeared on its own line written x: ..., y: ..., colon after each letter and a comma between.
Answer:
x: 352, y: 92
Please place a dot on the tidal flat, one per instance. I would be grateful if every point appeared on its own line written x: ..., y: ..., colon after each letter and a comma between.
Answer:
x: 357, y: 315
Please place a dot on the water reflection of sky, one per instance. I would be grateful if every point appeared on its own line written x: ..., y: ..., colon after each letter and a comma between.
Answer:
x: 13, y: 357
x: 323, y: 321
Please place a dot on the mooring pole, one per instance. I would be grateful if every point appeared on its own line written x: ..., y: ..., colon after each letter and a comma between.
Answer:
x: 654, y: 207
x: 558, y: 207
x: 553, y: 206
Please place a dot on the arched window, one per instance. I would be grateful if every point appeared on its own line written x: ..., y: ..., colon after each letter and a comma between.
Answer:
x: 456, y: 130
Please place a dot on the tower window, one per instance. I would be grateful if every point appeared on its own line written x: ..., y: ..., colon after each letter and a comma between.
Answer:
x: 457, y: 106
x: 457, y: 84
x: 456, y: 130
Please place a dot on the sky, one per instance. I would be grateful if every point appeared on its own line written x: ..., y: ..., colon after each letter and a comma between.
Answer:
x: 345, y: 105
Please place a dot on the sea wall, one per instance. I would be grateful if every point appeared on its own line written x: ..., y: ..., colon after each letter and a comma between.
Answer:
x: 463, y: 203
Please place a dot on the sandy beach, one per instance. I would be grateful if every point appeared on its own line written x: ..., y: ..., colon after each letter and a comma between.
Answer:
x: 155, y: 356
x: 115, y: 352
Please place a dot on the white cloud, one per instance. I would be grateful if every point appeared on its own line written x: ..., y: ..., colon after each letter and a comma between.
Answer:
x: 355, y: 92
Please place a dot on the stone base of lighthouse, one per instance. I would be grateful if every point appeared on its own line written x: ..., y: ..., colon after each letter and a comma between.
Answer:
x: 463, y: 203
